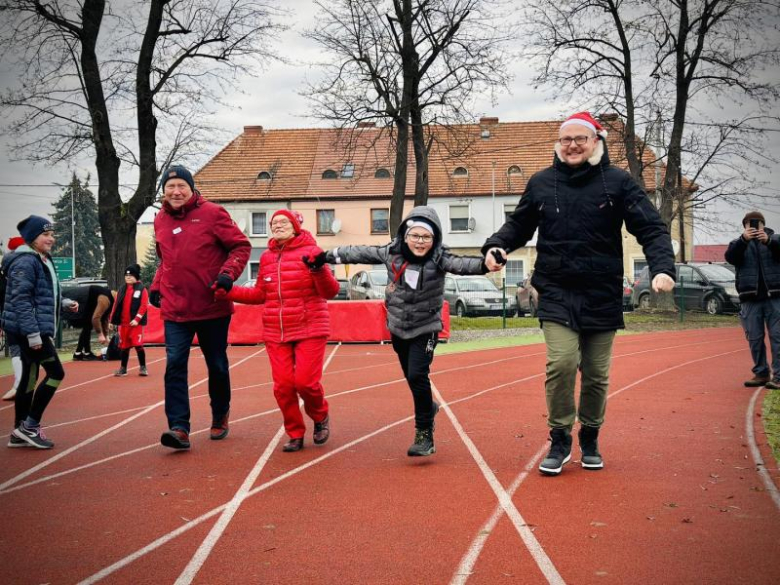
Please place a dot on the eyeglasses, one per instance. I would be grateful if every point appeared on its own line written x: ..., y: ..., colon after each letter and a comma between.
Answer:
x: 578, y: 140
x: 425, y: 239
x: 280, y: 223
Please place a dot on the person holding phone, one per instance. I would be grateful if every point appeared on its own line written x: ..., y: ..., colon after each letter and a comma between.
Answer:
x: 756, y: 256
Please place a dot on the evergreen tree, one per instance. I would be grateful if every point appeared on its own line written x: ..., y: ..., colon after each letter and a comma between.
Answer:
x: 150, y: 263
x: 89, y: 250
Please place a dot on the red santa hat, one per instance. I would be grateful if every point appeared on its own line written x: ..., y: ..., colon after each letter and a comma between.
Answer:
x: 15, y: 242
x: 295, y: 217
x: 585, y: 119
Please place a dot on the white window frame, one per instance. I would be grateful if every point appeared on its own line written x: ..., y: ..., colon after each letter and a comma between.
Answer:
x: 449, y: 218
x: 512, y: 262
x: 252, y: 231
x: 254, y: 267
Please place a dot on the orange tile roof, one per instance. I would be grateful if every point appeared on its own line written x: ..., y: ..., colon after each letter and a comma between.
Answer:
x: 296, y: 160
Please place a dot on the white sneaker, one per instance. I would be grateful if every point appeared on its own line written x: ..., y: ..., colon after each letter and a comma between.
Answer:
x: 10, y: 395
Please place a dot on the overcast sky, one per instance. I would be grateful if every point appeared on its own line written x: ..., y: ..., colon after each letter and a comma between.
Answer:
x: 272, y: 100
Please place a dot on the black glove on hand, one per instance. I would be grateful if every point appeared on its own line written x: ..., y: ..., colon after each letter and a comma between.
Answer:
x: 499, y: 258
x: 155, y: 298
x: 224, y: 282
x: 315, y: 262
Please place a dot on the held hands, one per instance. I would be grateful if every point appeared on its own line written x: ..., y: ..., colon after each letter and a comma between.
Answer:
x: 662, y: 283
x: 495, y: 259
x: 759, y: 234
x: 155, y: 298
x: 222, y: 286
x: 314, y: 261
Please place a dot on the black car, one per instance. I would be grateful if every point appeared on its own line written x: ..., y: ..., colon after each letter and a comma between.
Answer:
x: 699, y: 286
x: 343, y: 290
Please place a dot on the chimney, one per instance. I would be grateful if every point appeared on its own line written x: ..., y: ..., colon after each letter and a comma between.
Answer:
x: 253, y: 130
x: 366, y: 124
x: 611, y: 117
x: 488, y: 121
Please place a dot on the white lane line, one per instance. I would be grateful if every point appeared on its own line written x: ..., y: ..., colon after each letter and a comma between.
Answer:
x: 469, y: 560
x: 100, y: 435
x: 750, y: 431
x: 154, y: 545
x: 96, y: 417
x: 216, y: 532
x: 544, y: 563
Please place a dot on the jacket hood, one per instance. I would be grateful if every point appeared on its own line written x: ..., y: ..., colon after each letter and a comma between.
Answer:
x: 302, y: 239
x: 428, y: 215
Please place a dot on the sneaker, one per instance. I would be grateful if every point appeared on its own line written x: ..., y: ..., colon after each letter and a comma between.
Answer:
x: 14, y: 442
x: 10, y: 395
x: 756, y: 381
x: 293, y: 445
x: 220, y: 428
x: 322, y: 431
x: 142, y: 371
x: 423, y: 443
x: 560, y: 452
x: 176, y: 439
x: 78, y: 357
x: 773, y: 385
x: 121, y: 372
x: 589, y: 445
x: 89, y: 357
x: 34, y: 437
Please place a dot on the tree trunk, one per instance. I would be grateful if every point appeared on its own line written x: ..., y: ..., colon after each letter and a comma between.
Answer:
x: 420, y: 158
x: 399, y: 179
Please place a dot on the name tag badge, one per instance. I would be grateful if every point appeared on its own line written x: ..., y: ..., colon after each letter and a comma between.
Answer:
x: 177, y: 230
x: 411, y: 277
x: 137, y: 294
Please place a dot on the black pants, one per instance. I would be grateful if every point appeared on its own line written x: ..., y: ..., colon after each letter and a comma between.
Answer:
x: 84, y: 340
x: 31, y: 400
x: 416, y: 356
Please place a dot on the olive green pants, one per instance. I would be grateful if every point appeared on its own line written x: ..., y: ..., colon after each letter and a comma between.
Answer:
x: 567, y: 351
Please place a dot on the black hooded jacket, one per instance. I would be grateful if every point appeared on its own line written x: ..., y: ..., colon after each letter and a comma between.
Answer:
x: 579, y: 212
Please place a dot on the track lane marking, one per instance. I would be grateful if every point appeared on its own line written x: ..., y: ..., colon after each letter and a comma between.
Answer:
x: 750, y: 431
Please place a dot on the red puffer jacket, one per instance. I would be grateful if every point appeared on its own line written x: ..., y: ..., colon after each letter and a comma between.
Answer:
x: 195, y: 245
x: 294, y: 296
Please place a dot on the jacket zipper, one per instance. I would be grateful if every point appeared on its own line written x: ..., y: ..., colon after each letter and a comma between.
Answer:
x: 279, y: 283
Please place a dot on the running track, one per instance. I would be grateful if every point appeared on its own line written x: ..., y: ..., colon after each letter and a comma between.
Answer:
x: 684, y: 496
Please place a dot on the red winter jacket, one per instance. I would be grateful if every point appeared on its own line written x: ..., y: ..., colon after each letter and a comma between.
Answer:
x: 195, y: 245
x: 294, y: 296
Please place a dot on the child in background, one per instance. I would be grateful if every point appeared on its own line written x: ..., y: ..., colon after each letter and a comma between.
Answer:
x: 13, y: 350
x: 129, y: 315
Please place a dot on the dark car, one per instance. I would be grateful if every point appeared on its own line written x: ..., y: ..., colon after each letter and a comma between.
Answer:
x: 628, y: 294
x: 527, y: 298
x: 475, y: 295
x: 706, y: 287
x: 342, y: 295
x: 367, y: 285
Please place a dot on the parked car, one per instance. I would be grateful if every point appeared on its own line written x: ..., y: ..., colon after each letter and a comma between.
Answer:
x: 476, y: 295
x: 342, y: 295
x: 707, y: 287
x: 367, y: 285
x: 628, y: 294
x: 526, y: 298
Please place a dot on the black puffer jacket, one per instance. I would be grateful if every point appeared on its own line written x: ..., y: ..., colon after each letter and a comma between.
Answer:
x: 746, y: 257
x: 579, y: 212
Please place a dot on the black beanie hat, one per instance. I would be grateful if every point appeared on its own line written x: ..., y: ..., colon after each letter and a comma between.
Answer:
x: 177, y: 172
x: 753, y: 215
x: 33, y: 226
x: 134, y: 270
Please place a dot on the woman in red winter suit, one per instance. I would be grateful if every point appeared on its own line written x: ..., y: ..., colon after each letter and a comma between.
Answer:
x: 296, y: 324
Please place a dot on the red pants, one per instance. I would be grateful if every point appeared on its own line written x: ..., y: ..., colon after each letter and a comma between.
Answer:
x: 130, y: 336
x: 296, y: 368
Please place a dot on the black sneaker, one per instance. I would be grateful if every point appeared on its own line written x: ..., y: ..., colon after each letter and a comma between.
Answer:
x: 560, y: 452
x: 589, y: 445
x: 772, y: 385
x: 120, y: 372
x: 89, y: 357
x: 34, y: 437
x: 142, y: 371
x: 176, y: 439
x: 78, y: 357
x: 423, y: 443
x: 15, y: 442
x: 293, y: 445
x: 322, y: 431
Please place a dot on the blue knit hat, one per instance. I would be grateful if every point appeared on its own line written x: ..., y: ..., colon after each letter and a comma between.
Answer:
x: 177, y: 172
x: 33, y: 226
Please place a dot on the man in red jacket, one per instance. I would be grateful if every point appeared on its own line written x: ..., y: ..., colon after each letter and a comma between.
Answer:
x: 201, y: 250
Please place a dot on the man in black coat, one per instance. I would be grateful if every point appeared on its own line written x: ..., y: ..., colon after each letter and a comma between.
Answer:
x: 579, y: 205
x: 95, y: 302
x: 756, y: 256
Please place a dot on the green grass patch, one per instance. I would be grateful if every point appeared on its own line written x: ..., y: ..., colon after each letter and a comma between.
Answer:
x: 771, y: 419
x: 490, y: 343
x: 6, y: 368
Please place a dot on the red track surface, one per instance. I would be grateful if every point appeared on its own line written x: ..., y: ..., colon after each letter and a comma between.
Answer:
x: 680, y: 500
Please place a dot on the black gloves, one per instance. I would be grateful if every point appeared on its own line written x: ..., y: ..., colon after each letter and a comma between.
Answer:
x: 314, y: 261
x: 155, y: 298
x: 224, y: 282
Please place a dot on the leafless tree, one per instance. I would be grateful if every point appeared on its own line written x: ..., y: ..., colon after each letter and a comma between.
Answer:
x: 120, y: 80
x: 408, y: 64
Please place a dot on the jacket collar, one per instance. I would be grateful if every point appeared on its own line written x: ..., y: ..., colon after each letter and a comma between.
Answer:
x: 302, y: 239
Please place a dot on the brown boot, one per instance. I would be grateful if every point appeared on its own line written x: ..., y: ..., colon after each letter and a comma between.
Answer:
x: 322, y: 431
x: 756, y: 381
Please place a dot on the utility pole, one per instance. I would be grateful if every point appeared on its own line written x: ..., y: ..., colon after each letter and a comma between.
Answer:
x: 493, y: 202
x: 73, y: 229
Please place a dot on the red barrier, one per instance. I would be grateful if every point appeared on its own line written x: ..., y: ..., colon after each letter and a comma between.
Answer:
x: 350, y: 322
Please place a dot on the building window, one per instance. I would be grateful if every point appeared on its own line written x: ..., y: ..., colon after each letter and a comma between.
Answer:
x: 254, y: 270
x: 264, y: 176
x: 514, y: 170
x: 459, y: 218
x: 514, y: 272
x: 380, y: 221
x: 460, y: 172
x: 638, y: 266
x: 330, y: 174
x: 509, y: 208
x: 325, y: 219
x: 259, y: 224
x: 348, y: 171
x: 382, y: 174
